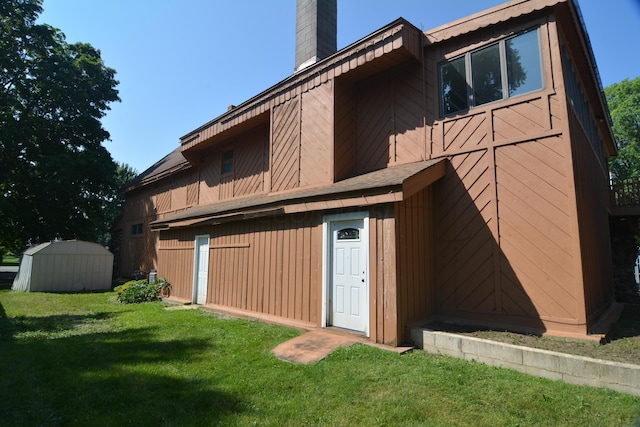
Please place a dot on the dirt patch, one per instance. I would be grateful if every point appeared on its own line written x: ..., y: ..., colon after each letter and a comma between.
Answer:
x: 621, y: 345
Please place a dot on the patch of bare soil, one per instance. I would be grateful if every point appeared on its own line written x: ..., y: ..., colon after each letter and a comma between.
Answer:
x: 621, y: 345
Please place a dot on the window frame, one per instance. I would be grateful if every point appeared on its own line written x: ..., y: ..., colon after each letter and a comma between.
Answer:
x: 136, y: 229
x: 504, y: 75
x: 227, y: 162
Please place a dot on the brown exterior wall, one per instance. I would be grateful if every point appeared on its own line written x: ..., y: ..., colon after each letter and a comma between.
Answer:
x: 270, y: 266
x: 513, y: 236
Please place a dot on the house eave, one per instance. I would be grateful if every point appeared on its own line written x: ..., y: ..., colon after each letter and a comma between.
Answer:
x: 392, y: 44
x: 388, y: 185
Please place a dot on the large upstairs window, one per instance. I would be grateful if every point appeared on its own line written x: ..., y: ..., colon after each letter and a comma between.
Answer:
x: 501, y: 70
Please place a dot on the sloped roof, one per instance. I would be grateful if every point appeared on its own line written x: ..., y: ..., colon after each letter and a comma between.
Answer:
x: 382, y: 186
x: 68, y: 247
x: 171, y: 163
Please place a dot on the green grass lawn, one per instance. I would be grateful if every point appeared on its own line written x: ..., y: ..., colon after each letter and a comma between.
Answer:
x: 10, y: 260
x: 82, y: 359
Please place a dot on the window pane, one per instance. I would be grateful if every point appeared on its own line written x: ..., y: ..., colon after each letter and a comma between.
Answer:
x: 523, y: 63
x: 486, y: 75
x: 454, y: 86
x: 348, y: 234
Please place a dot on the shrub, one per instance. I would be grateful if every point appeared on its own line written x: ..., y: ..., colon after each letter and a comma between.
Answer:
x: 120, y: 289
x: 137, y: 291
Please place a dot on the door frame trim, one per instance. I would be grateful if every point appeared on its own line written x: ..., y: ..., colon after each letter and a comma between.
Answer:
x: 327, y: 245
x: 196, y: 254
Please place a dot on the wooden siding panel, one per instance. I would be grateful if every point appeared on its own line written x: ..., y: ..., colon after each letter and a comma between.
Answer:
x: 374, y: 127
x: 408, y: 118
x: 520, y: 120
x: 209, y: 190
x: 466, y: 133
x: 316, y: 146
x: 285, y: 156
x: 464, y: 207
x: 345, y: 131
x: 535, y: 229
x: 414, y: 255
x: 595, y: 242
x: 249, y: 163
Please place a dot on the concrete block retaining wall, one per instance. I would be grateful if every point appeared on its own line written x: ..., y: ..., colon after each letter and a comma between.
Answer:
x: 572, y: 369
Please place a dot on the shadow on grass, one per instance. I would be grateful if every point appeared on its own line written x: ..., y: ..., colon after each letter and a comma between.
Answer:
x: 53, y: 377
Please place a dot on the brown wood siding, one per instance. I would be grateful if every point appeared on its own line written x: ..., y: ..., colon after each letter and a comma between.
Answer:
x: 408, y: 114
x: 383, y: 275
x: 285, y: 155
x: 592, y: 194
x: 249, y: 163
x: 374, y: 126
x: 270, y: 266
x: 210, y: 177
x: 345, y: 129
x: 316, y: 146
x: 536, y: 231
x: 414, y: 231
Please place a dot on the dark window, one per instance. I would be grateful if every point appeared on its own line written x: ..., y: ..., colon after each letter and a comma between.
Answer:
x: 501, y: 70
x: 348, y: 234
x: 227, y: 162
x: 486, y: 75
x: 136, y: 229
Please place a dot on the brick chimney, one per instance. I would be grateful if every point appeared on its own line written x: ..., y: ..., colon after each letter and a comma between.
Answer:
x: 316, y: 31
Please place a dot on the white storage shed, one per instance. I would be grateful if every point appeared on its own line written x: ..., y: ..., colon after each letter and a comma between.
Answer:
x: 65, y: 266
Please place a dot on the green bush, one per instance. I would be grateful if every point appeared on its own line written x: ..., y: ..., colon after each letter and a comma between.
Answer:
x: 137, y: 291
x: 120, y: 289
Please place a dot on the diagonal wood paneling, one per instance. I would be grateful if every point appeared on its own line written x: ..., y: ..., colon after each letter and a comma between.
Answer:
x: 535, y: 229
x: 374, y: 126
x: 466, y: 132
x: 316, y: 145
x: 408, y: 117
x: 345, y: 130
x: 249, y: 163
x: 285, y: 157
x: 518, y: 120
x: 465, y: 243
x: 210, y: 178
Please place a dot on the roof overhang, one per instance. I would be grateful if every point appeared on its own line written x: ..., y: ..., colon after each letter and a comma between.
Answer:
x: 391, y: 45
x: 389, y: 185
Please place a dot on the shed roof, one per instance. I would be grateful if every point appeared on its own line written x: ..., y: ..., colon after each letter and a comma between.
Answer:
x: 382, y: 186
x: 66, y: 247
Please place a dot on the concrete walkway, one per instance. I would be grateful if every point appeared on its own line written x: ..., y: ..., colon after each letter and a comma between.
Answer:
x: 572, y: 369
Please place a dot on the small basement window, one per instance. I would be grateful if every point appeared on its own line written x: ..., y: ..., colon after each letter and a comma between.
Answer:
x: 136, y: 229
x: 501, y: 70
x: 227, y: 162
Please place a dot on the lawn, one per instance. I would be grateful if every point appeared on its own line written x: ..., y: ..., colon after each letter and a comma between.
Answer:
x: 82, y: 359
x: 10, y: 260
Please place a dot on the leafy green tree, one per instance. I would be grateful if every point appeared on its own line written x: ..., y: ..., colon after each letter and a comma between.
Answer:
x: 55, y: 176
x: 624, y: 104
x: 113, y: 210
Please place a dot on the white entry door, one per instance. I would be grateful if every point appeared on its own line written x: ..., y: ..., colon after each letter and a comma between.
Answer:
x: 349, y: 278
x: 201, y: 269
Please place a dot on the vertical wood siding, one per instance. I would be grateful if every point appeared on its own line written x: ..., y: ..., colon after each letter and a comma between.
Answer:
x: 383, y: 275
x: 592, y: 194
x: 414, y: 231
x: 270, y: 266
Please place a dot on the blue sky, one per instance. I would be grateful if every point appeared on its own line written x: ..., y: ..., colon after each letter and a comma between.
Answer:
x: 180, y: 63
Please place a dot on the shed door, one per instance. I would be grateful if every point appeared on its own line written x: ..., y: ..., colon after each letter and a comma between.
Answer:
x: 201, y: 269
x: 348, y: 287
